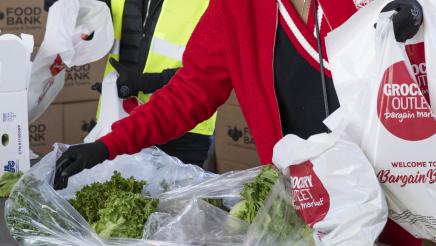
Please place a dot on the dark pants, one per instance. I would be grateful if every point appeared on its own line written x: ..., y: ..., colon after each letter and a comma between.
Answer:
x: 191, y: 148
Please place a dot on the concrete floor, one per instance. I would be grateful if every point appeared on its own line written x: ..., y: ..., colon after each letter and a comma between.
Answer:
x: 5, y: 238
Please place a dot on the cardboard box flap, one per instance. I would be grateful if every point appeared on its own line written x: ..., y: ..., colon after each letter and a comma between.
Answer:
x: 15, y: 62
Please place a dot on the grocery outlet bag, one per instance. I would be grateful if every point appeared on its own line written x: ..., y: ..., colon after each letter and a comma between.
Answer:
x: 111, y: 109
x: 333, y: 187
x: 36, y: 214
x: 390, y: 105
x: 77, y: 32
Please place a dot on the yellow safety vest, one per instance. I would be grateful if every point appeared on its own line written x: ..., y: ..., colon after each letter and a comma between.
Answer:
x: 174, y: 27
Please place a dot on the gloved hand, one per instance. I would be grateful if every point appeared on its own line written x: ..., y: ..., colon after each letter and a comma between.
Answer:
x: 407, y: 20
x: 130, y: 82
x: 76, y: 159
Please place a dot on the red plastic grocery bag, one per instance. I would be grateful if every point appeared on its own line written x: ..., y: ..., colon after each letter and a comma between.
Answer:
x: 388, y: 91
x: 333, y: 188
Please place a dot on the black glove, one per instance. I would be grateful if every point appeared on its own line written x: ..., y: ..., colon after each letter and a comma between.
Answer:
x: 407, y: 20
x: 130, y: 82
x: 76, y: 159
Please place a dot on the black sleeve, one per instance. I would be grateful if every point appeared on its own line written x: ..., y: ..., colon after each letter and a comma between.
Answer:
x: 49, y: 3
x: 151, y: 82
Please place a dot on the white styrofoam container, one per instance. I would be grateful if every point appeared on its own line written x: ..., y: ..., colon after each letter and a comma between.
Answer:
x: 15, y: 67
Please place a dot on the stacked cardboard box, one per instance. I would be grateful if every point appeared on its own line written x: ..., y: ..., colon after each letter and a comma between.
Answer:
x: 235, y: 149
x: 70, y: 116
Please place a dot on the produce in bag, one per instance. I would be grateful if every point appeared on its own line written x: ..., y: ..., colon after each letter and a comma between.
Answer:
x: 116, y: 208
x: 333, y: 186
x: 36, y: 214
x: 278, y: 223
x: 7, y: 182
x: 245, y: 193
x: 388, y: 91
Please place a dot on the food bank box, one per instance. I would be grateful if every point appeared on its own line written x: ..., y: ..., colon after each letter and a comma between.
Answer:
x: 15, y: 67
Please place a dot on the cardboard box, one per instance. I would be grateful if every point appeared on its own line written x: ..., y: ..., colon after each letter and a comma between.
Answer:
x: 78, y: 117
x: 78, y: 82
x: 15, y: 69
x: 47, y: 130
x: 235, y: 149
x: 224, y: 166
x: 23, y: 16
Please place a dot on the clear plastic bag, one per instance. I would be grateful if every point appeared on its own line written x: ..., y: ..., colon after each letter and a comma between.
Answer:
x: 278, y: 223
x: 190, y: 218
x: 38, y: 215
x: 187, y: 217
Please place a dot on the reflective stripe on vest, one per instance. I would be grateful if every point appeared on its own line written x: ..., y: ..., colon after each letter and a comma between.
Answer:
x: 174, y: 27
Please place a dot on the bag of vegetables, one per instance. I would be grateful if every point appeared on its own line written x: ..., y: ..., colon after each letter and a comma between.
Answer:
x: 235, y: 203
x: 98, y: 207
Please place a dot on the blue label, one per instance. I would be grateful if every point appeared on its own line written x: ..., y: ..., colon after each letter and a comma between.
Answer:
x: 10, y: 167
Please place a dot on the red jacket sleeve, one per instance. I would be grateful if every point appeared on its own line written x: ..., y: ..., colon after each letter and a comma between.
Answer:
x: 192, y: 95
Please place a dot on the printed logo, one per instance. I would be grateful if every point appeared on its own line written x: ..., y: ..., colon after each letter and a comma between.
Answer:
x: 10, y: 167
x: 234, y: 133
x: 416, y: 54
x: 402, y: 108
x: 37, y: 133
x: 81, y: 73
x: 9, y: 117
x: 309, y: 195
x: 57, y: 66
x: 22, y: 16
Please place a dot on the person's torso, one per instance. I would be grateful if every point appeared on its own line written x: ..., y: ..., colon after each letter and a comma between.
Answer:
x: 151, y: 36
x: 250, y: 42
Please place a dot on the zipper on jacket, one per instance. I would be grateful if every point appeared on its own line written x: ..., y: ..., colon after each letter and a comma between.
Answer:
x: 273, y: 72
x: 147, y: 14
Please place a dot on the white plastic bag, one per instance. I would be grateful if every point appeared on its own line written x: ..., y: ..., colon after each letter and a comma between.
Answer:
x: 111, y: 109
x: 334, y: 188
x: 70, y: 23
x: 388, y: 114
x: 38, y: 215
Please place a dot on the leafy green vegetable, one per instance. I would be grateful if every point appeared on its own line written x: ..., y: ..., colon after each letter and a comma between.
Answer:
x: 93, y: 197
x: 29, y: 213
x: 124, y: 215
x: 217, y: 202
x: 254, y: 195
x: 280, y: 221
x: 164, y: 185
x: 283, y: 223
x: 116, y: 208
x: 7, y: 182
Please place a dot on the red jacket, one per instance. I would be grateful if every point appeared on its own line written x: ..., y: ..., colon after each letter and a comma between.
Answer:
x: 231, y: 48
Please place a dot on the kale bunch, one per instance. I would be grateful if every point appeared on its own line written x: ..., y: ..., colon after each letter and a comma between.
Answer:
x: 254, y: 195
x: 125, y: 215
x: 116, y: 208
x: 7, y: 182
